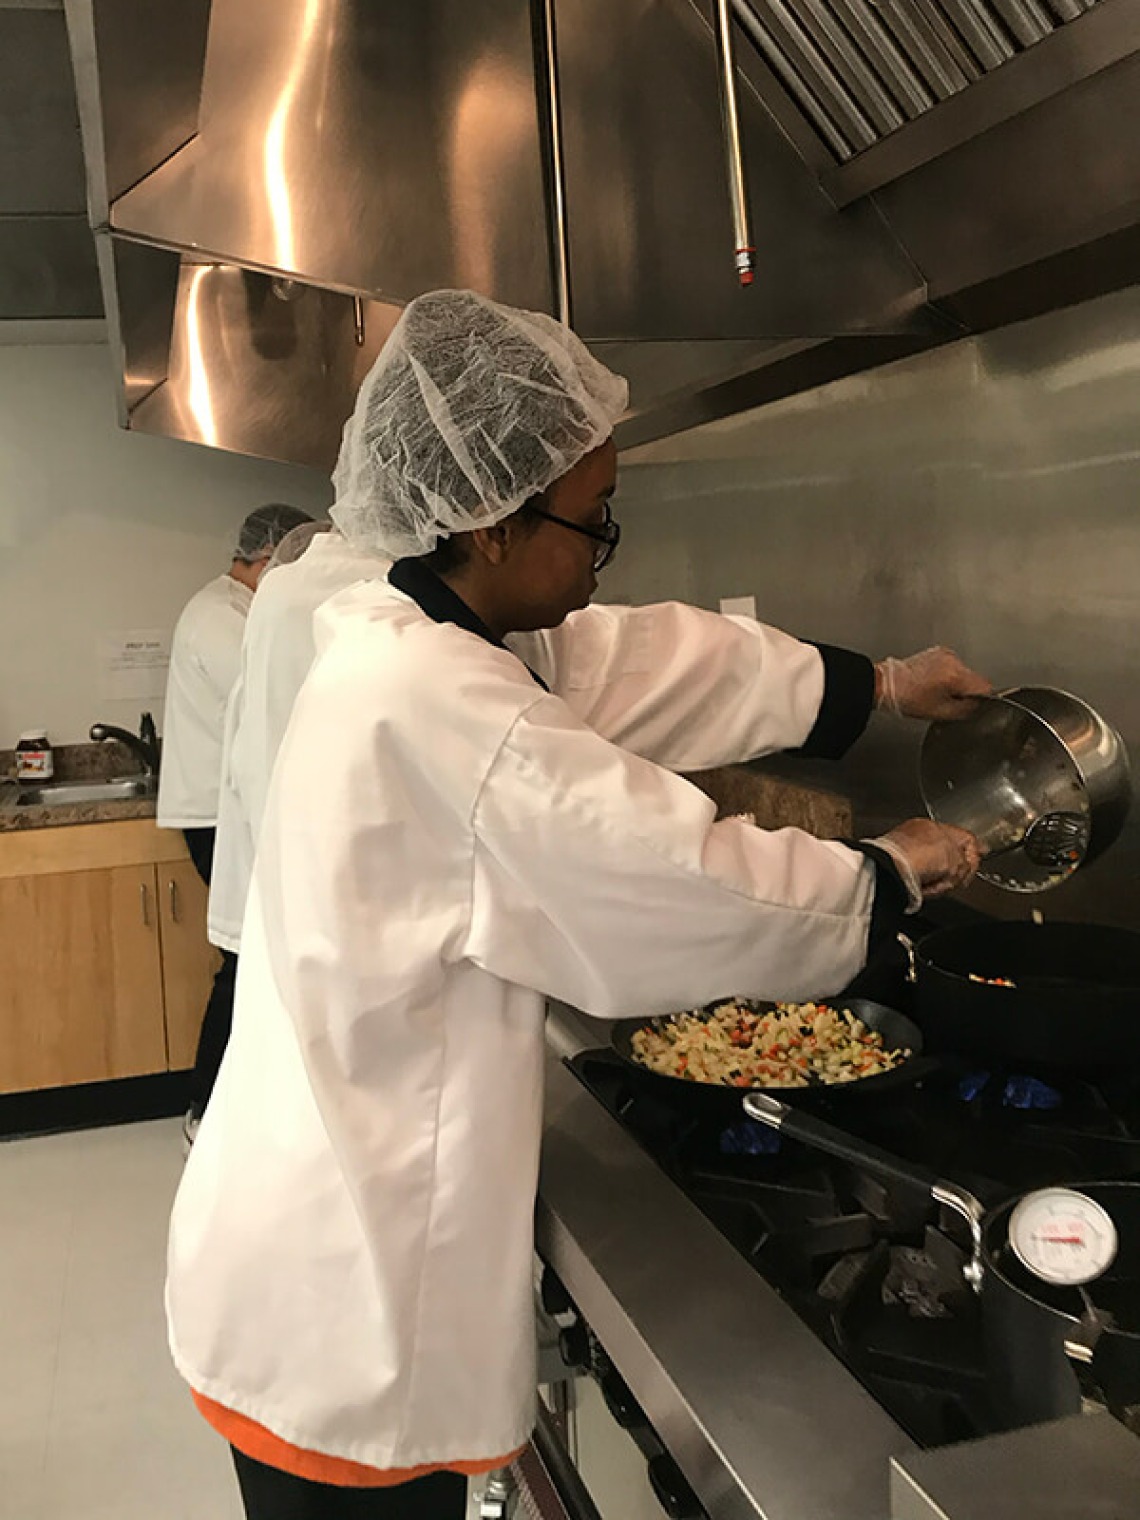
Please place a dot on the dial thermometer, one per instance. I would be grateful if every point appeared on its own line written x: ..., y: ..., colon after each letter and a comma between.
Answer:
x: 1063, y: 1236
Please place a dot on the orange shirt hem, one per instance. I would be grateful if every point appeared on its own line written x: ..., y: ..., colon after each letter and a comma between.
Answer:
x: 253, y: 1440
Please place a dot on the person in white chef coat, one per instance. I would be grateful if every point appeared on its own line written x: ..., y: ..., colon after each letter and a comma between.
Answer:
x: 205, y: 656
x: 450, y: 837
x: 311, y: 564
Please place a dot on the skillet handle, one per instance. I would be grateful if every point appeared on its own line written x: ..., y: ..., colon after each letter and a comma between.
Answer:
x: 836, y: 1142
x: 908, y: 945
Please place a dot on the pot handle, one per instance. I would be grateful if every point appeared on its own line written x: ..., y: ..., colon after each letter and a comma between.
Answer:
x: 908, y: 945
x: 1081, y: 1348
x: 836, y: 1142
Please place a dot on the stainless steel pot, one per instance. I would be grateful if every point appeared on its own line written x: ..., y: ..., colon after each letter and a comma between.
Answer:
x: 1026, y: 753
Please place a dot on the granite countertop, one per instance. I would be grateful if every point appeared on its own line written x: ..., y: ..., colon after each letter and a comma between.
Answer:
x: 14, y: 817
x: 73, y: 762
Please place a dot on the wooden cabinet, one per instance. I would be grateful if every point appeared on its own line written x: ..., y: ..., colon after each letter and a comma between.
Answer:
x: 188, y: 959
x: 104, y: 963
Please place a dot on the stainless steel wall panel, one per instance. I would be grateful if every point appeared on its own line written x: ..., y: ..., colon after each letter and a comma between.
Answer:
x: 380, y: 149
x: 781, y: 370
x: 983, y: 495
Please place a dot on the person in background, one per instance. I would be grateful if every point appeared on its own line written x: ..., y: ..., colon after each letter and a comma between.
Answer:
x: 450, y: 837
x: 205, y: 656
x: 311, y: 564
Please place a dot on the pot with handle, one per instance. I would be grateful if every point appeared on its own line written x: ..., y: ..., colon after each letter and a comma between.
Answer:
x: 1027, y: 755
x: 1057, y: 996
x: 1047, y: 1342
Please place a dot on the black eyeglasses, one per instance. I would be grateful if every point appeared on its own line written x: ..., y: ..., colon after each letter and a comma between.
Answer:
x: 608, y: 536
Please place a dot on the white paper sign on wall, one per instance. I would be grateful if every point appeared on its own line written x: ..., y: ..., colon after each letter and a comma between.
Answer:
x: 133, y: 662
x: 739, y: 606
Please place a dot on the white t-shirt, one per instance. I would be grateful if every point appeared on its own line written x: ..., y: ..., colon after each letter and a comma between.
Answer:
x: 204, y: 661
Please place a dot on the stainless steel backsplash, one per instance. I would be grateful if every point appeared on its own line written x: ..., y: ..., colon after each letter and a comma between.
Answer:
x: 985, y: 495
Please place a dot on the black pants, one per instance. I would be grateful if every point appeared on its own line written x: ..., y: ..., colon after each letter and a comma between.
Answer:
x: 219, y: 1014
x: 268, y: 1494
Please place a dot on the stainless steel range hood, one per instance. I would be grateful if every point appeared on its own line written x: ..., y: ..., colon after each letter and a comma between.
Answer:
x: 270, y: 180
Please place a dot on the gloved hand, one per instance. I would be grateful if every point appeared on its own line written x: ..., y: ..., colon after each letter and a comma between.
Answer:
x: 932, y: 858
x: 931, y: 684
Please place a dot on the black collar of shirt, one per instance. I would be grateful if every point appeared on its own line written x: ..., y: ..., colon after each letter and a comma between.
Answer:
x: 436, y: 598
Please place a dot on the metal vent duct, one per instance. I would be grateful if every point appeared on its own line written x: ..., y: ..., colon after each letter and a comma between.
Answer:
x: 861, y: 69
x: 915, y: 169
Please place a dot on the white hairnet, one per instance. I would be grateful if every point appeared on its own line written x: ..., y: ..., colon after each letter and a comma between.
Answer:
x: 471, y: 409
x: 295, y: 542
x: 264, y: 529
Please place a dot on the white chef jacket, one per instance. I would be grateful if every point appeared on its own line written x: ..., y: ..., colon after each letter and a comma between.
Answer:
x: 276, y: 653
x: 351, y: 1246
x: 205, y: 656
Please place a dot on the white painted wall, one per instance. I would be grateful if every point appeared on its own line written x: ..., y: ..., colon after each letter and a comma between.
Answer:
x: 102, y: 530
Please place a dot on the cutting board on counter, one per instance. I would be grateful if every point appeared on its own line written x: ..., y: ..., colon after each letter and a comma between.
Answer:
x: 776, y: 803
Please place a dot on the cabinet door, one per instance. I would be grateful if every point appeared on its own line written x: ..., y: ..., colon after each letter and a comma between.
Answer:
x: 188, y: 959
x: 80, y: 978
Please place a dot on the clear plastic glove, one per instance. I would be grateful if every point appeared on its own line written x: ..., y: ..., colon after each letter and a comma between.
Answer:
x: 932, y: 858
x: 933, y: 684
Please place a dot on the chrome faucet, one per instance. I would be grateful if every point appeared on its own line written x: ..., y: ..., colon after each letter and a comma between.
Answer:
x: 145, y: 745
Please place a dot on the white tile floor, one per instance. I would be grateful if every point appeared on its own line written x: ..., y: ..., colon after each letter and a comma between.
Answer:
x: 95, y: 1424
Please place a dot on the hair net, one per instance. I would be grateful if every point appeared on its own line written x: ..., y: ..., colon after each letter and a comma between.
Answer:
x: 295, y: 542
x: 470, y: 409
x: 264, y: 529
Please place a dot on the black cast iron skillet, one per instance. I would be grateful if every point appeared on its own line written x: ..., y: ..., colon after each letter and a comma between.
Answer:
x: 898, y: 1033
x: 1074, y: 1005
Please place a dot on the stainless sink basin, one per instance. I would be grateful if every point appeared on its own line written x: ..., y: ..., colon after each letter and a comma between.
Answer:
x: 63, y: 793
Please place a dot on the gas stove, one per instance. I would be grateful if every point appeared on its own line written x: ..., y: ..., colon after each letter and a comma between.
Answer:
x: 868, y: 1268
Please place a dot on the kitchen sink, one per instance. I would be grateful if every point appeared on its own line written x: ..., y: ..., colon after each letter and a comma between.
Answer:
x: 63, y: 793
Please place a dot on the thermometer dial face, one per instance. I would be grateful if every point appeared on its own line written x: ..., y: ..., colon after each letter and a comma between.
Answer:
x: 1062, y: 1236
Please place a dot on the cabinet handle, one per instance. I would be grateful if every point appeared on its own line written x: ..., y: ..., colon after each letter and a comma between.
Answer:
x: 173, y: 886
x: 144, y: 903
